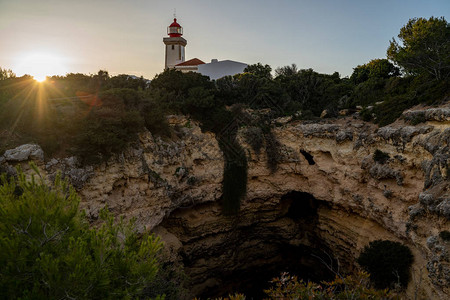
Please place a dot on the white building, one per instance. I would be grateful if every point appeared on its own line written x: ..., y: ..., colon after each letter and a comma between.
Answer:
x: 175, y: 45
x: 218, y: 69
x: 175, y: 57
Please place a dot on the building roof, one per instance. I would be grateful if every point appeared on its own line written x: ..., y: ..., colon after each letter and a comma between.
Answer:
x: 175, y: 24
x: 191, y: 62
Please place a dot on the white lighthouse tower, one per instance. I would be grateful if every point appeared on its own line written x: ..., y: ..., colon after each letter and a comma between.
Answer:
x: 175, y: 45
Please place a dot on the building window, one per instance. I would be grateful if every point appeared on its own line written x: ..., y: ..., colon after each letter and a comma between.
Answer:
x: 173, y: 47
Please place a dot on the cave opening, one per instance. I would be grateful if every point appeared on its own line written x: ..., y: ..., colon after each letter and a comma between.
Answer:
x: 308, y: 157
x: 302, y: 205
x: 259, y: 246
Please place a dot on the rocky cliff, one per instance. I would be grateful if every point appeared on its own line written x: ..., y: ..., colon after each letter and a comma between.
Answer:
x: 327, y: 199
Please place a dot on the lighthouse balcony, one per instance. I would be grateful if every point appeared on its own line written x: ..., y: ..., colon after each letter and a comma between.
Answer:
x: 177, y: 31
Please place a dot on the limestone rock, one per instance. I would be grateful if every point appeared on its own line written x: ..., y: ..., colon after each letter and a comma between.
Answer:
x: 24, y: 153
x: 431, y: 114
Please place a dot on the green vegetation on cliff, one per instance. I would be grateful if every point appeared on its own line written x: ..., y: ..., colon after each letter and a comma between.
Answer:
x: 388, y: 263
x: 48, y: 251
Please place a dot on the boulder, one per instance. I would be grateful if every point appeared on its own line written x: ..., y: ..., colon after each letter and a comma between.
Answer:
x: 24, y: 153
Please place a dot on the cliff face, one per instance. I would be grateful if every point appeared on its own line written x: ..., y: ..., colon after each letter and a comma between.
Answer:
x: 327, y: 199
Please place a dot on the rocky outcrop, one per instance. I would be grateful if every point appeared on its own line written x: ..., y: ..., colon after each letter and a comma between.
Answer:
x: 24, y: 153
x: 439, y: 114
x: 326, y: 211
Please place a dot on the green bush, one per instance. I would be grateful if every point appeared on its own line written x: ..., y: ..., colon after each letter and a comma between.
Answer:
x: 272, y: 151
x: 380, y: 156
x: 105, y: 132
x: 255, y: 138
x: 48, y: 251
x: 348, y: 287
x: 419, y: 118
x: 387, y: 262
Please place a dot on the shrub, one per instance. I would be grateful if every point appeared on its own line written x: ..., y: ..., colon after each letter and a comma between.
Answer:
x: 254, y: 137
x: 105, y: 132
x: 155, y: 120
x: 387, y: 262
x: 348, y: 287
x: 272, y: 151
x: 47, y: 250
x: 380, y: 156
x: 419, y: 118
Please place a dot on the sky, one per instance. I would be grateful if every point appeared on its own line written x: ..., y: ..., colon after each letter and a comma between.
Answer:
x: 55, y: 37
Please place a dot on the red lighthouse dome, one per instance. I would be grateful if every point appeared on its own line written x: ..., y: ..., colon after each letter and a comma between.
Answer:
x: 175, y: 29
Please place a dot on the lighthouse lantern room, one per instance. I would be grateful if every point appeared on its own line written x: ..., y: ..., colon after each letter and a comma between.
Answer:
x: 175, y: 45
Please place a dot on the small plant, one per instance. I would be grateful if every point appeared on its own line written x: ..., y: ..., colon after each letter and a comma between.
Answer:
x: 272, y: 151
x: 388, y: 194
x: 445, y: 235
x: 387, y: 262
x: 380, y: 156
x: 255, y: 138
x: 420, y: 118
x: 366, y: 115
x: 349, y: 287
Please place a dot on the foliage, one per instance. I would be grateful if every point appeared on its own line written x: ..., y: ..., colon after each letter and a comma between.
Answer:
x: 349, y: 287
x: 272, y: 151
x: 403, y: 93
x: 6, y: 73
x: 230, y: 297
x: 380, y: 156
x: 376, y: 68
x: 418, y: 118
x: 109, y: 126
x: 424, y: 48
x: 309, y: 90
x: 387, y: 262
x: 47, y: 250
x: 105, y: 132
x: 255, y: 138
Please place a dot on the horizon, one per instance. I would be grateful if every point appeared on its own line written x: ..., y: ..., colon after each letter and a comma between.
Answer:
x: 53, y: 38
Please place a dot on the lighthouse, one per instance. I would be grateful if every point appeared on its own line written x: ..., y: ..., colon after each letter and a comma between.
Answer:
x: 175, y: 45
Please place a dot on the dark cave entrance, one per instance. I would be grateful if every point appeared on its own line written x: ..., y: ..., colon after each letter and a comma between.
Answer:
x: 301, y: 261
x: 245, y: 259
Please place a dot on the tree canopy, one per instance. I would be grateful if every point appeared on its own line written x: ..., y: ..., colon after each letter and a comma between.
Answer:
x: 48, y: 251
x: 6, y: 73
x: 376, y: 68
x: 424, y: 47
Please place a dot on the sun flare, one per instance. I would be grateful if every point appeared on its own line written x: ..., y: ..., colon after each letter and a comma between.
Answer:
x: 39, y: 78
x: 40, y: 65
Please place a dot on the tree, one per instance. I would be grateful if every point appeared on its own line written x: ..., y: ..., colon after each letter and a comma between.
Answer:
x: 48, y: 251
x: 286, y: 70
x: 6, y: 73
x: 259, y: 70
x: 376, y: 68
x: 424, y: 48
x: 387, y: 262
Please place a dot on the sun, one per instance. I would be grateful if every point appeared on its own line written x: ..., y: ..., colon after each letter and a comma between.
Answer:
x: 40, y: 65
x: 39, y: 78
